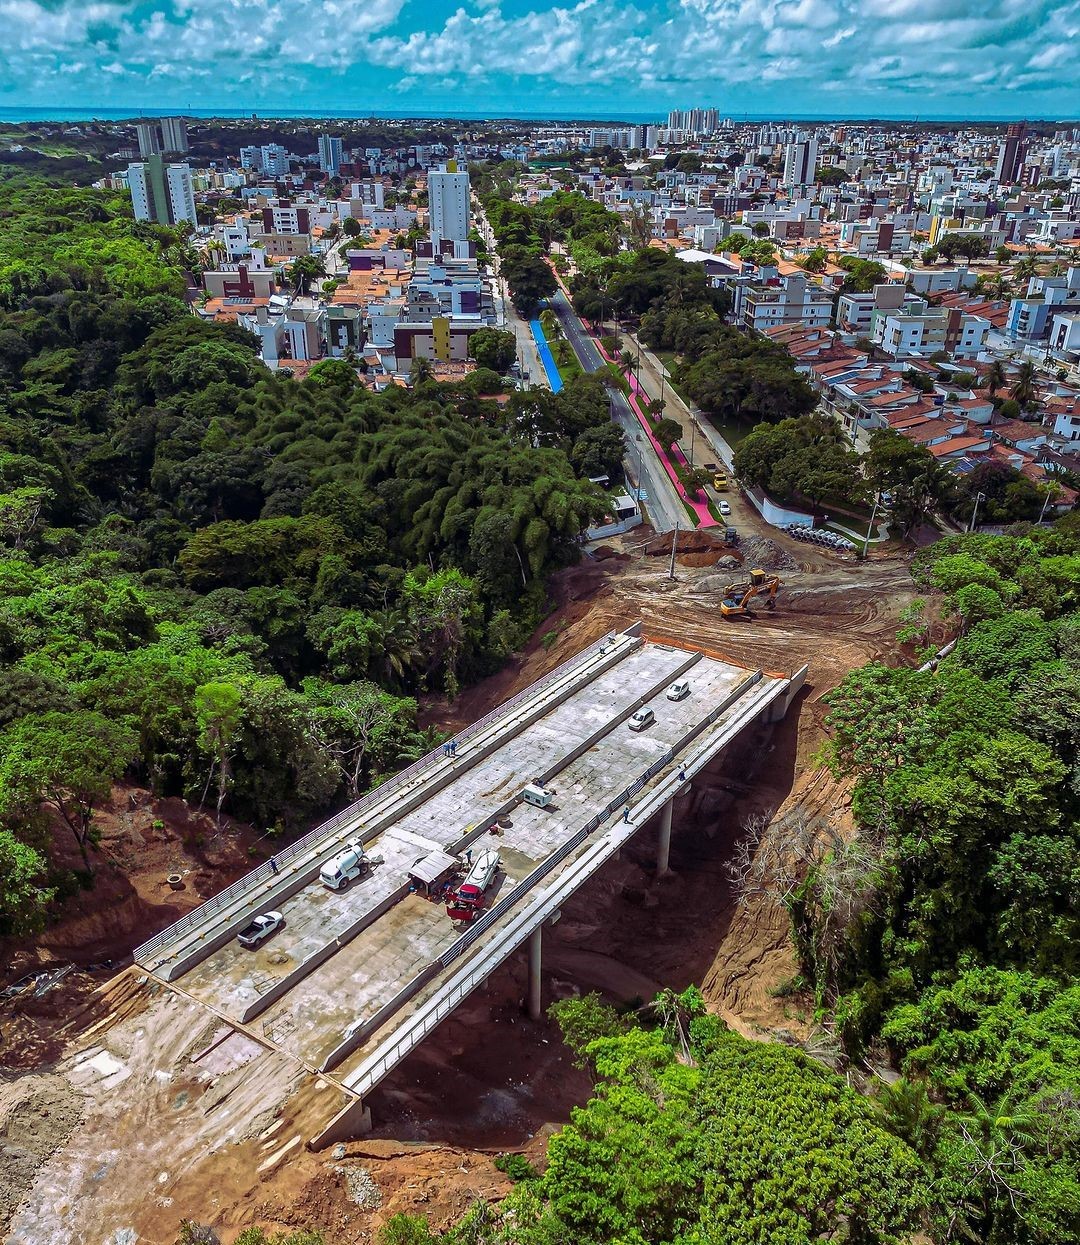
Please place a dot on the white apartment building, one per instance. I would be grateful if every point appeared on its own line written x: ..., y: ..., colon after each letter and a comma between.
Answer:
x: 330, y: 154
x: 142, y: 199
x: 161, y: 192
x: 149, y: 138
x: 448, y: 204
x: 181, y: 194
x: 174, y: 134
x: 272, y: 159
x: 902, y: 333
x: 800, y: 161
x: 793, y: 300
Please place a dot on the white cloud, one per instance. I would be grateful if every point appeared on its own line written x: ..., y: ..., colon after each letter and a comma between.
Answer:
x: 710, y: 47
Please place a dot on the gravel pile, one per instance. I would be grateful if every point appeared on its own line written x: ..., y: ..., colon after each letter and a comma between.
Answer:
x: 361, y: 1187
x: 761, y: 553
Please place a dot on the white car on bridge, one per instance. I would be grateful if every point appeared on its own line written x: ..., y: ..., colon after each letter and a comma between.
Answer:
x: 260, y: 928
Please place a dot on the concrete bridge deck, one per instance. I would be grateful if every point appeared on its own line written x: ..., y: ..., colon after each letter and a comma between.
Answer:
x: 356, y: 978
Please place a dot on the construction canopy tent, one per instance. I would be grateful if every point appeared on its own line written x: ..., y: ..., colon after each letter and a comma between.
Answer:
x: 430, y: 872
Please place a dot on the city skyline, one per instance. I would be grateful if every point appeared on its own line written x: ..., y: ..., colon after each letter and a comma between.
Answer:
x: 881, y: 58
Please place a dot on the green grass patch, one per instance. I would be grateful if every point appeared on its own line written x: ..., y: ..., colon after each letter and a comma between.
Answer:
x: 565, y: 358
x: 618, y: 377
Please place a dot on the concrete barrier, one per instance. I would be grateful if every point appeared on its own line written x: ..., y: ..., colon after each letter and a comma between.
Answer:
x: 201, y: 942
x: 321, y: 954
x: 357, y: 1034
x: 214, y: 937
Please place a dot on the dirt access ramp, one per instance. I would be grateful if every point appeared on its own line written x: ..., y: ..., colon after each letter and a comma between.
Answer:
x: 155, y: 1089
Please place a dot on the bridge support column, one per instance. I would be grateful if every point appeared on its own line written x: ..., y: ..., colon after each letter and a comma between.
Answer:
x: 663, y: 846
x: 535, y: 958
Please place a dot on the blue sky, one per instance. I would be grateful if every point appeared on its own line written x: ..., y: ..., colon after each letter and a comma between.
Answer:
x: 993, y: 58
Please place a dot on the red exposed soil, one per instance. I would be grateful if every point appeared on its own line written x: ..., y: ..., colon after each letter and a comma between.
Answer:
x: 489, y: 1078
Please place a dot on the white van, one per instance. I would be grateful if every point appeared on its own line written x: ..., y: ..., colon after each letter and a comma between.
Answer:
x: 481, y: 874
x: 346, y: 865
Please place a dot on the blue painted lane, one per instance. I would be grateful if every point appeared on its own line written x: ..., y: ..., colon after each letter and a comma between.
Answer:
x: 546, y: 357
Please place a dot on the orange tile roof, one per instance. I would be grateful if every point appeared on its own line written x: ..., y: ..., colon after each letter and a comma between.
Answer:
x: 956, y: 444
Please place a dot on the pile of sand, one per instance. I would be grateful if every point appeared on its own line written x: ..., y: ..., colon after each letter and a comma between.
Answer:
x: 37, y: 1115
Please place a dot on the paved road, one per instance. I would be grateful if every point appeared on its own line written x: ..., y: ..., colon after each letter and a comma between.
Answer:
x: 699, y: 434
x: 506, y: 315
x: 662, y: 502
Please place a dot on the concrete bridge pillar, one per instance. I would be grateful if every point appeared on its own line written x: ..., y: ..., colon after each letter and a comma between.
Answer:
x: 535, y: 958
x: 663, y: 846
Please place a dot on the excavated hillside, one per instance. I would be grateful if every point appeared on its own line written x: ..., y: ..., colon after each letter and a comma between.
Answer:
x: 133, y: 1150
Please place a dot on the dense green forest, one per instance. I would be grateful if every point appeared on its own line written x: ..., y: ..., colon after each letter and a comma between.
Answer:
x: 226, y: 583
x: 938, y: 950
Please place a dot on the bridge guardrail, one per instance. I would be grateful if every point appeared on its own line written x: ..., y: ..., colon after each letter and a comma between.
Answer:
x: 462, y: 944
x: 263, y: 872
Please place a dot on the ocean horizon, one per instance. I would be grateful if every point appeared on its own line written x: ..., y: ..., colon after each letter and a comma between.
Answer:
x: 16, y: 115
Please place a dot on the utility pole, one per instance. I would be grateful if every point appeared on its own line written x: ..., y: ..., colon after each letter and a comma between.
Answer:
x: 975, y: 510
x: 674, y: 542
x: 870, y: 529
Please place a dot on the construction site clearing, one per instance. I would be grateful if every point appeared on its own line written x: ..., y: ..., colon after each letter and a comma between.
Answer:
x: 355, y: 977
x: 164, y: 1106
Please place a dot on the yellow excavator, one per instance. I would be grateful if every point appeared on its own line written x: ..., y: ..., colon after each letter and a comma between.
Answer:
x: 737, y: 597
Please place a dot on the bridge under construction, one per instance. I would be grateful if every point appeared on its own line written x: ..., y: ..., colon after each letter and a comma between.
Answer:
x: 356, y: 978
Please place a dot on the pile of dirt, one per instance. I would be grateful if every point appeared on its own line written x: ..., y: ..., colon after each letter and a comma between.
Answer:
x: 37, y: 1115
x: 760, y: 552
x: 699, y: 540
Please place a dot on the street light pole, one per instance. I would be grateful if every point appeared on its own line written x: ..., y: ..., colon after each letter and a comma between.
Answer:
x: 975, y: 510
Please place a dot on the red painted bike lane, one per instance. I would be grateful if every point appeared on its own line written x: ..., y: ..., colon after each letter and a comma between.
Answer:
x: 637, y: 394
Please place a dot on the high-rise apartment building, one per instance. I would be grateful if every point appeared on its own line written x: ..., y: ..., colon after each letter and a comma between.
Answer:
x: 701, y: 121
x: 1011, y: 154
x: 149, y: 139
x: 448, y: 203
x: 800, y: 161
x: 161, y: 192
x: 174, y: 137
x: 275, y: 160
x: 330, y: 154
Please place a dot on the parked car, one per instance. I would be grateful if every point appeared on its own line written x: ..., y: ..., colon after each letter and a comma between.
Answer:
x: 345, y: 866
x: 480, y: 876
x: 641, y: 719
x: 679, y: 690
x: 724, y: 507
x: 260, y: 928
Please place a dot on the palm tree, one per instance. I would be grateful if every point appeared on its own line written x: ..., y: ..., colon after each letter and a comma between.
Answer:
x: 422, y: 370
x: 399, y: 652
x: 1027, y: 267
x: 998, y: 1137
x: 628, y: 363
x: 1023, y: 389
x: 995, y: 377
